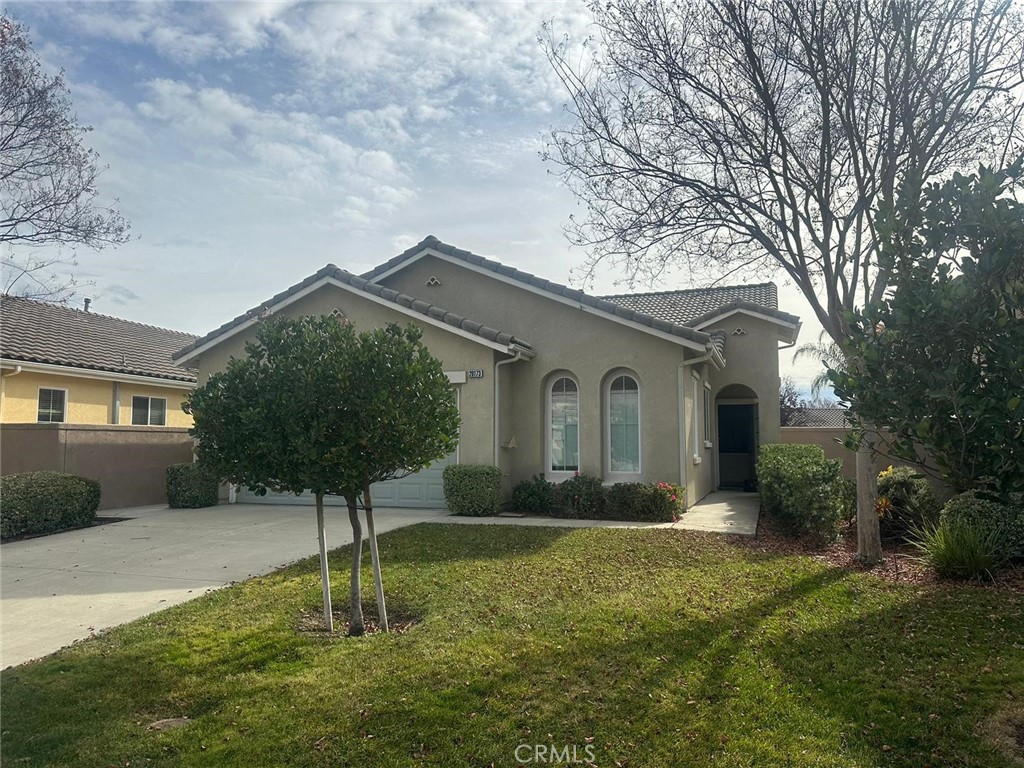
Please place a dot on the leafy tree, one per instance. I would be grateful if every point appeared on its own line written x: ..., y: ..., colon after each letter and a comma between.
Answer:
x: 939, y: 359
x: 789, y: 403
x: 717, y: 136
x: 47, y: 175
x: 315, y: 406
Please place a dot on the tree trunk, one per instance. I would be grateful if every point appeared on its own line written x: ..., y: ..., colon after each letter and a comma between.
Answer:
x: 356, y: 627
x: 378, y: 581
x: 325, y: 576
x: 869, y: 537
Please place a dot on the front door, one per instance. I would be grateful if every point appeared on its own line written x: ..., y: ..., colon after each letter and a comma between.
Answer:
x: 737, y: 445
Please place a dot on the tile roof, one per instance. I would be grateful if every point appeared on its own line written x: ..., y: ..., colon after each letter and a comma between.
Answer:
x: 693, y: 306
x: 37, y: 332
x: 332, y: 272
x: 642, y: 317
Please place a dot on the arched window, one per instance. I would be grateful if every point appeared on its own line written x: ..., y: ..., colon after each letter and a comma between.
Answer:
x: 624, y: 425
x: 564, y: 425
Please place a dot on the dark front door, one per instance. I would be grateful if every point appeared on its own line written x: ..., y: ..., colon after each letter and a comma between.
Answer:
x: 737, y: 445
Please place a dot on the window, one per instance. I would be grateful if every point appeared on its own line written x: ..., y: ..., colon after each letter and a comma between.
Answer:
x: 52, y: 403
x: 624, y: 425
x: 707, y: 415
x: 151, y: 411
x: 693, y: 426
x: 564, y: 434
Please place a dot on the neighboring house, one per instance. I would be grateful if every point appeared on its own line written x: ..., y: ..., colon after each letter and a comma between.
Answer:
x: 678, y: 386
x: 77, y: 367
x: 826, y: 418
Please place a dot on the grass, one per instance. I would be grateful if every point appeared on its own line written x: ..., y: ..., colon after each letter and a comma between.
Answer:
x: 654, y: 648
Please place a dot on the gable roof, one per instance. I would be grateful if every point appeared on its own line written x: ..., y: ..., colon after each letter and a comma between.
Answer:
x: 49, y: 334
x: 432, y: 246
x: 695, y: 306
x: 333, y: 275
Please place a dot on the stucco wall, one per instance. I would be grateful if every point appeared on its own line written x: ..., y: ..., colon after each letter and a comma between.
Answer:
x: 89, y: 401
x: 130, y: 462
x: 458, y: 354
x: 567, y: 339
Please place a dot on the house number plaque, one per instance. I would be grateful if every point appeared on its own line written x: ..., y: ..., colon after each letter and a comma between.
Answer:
x: 475, y: 373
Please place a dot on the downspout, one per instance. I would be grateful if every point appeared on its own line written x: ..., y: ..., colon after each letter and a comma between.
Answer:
x: 497, y: 403
x: 3, y: 387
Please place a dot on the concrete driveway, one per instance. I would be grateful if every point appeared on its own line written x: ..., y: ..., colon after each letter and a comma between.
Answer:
x: 61, y: 588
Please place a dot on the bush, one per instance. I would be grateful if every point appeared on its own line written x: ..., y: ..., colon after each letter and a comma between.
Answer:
x: 802, y: 489
x: 191, y: 486
x: 961, y: 548
x: 581, y: 497
x: 906, y: 503
x: 536, y: 496
x: 990, y: 515
x: 45, y: 502
x: 847, y: 497
x: 472, y: 489
x: 646, y: 502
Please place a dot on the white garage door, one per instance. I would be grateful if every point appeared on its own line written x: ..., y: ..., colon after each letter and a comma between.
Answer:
x: 423, y: 489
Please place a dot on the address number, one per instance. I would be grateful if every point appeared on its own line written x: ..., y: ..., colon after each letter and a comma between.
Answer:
x: 475, y: 373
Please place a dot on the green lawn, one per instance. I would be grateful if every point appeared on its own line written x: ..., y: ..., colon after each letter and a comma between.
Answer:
x: 655, y: 648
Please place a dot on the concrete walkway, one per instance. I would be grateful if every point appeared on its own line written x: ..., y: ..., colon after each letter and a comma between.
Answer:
x: 61, y: 588
x: 733, y: 512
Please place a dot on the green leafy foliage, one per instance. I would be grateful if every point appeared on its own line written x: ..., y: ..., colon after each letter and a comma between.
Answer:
x: 535, y: 496
x: 1004, y: 518
x: 581, y: 497
x: 191, y: 486
x: 802, y: 489
x: 906, y: 502
x: 961, y: 548
x: 938, y: 360
x: 45, y: 502
x: 645, y: 502
x: 472, y: 489
x: 315, y: 406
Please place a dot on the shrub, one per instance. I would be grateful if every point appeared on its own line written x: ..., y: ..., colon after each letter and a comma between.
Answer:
x: 537, y: 496
x: 906, y: 503
x: 647, y: 502
x: 581, y: 497
x: 990, y: 515
x: 472, y: 489
x: 847, y: 497
x: 802, y: 489
x: 45, y: 502
x: 191, y: 486
x: 961, y: 548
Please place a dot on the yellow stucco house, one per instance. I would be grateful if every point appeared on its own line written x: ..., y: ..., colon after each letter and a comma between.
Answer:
x: 675, y: 386
x: 71, y: 366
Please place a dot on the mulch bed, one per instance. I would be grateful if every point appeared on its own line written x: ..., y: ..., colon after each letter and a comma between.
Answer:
x: 901, y: 562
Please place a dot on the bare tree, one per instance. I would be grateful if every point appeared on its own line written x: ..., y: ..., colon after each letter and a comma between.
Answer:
x: 717, y: 135
x: 47, y: 175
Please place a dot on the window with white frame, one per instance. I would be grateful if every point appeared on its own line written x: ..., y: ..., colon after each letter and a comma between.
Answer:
x: 564, y: 425
x: 707, y: 415
x: 624, y: 425
x: 52, y: 405
x: 149, y: 411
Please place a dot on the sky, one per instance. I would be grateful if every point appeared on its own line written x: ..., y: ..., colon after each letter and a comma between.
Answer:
x: 250, y: 144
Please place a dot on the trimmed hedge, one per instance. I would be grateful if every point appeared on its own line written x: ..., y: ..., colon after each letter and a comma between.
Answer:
x: 191, y: 486
x: 644, y: 502
x: 906, y: 503
x: 536, y: 496
x: 46, y: 502
x: 472, y: 489
x: 802, y: 489
x: 1005, y: 520
x: 581, y: 497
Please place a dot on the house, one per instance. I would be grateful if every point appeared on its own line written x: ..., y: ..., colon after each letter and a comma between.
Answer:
x: 678, y: 386
x: 63, y: 365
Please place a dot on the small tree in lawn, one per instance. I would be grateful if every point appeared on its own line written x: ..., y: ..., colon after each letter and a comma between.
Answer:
x: 940, y: 356
x: 315, y: 406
